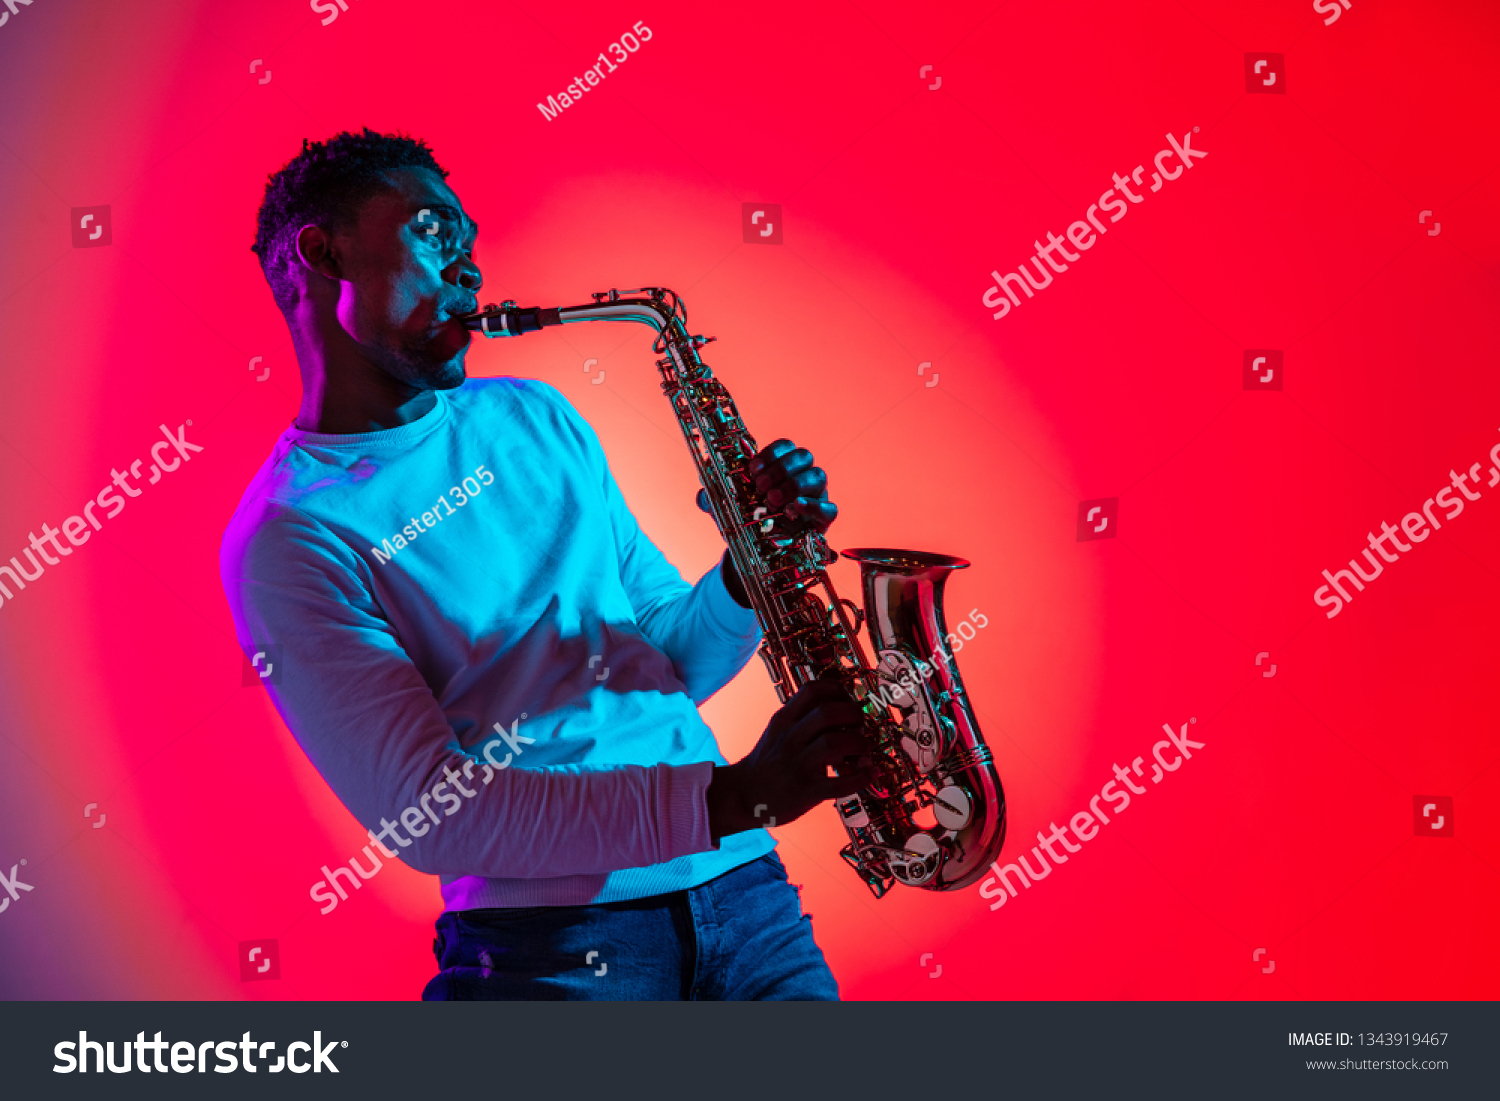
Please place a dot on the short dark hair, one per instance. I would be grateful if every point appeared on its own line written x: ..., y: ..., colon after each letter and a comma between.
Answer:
x: 325, y: 185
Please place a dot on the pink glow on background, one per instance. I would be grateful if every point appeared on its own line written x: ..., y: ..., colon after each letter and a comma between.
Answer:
x: 119, y: 673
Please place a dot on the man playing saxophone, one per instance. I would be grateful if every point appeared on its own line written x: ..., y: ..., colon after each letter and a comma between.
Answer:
x: 488, y: 661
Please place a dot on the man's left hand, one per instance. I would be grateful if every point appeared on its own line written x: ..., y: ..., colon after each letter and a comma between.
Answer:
x: 795, y: 492
x: 792, y: 487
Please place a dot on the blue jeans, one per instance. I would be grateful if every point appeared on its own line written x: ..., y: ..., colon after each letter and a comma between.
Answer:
x: 740, y: 937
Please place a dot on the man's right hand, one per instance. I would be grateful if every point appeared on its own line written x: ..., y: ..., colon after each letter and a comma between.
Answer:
x: 786, y: 774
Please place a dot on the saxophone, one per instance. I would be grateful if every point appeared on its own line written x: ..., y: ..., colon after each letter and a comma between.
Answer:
x: 934, y: 817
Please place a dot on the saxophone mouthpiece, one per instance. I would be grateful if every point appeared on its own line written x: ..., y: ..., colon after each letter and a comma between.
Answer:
x: 507, y: 319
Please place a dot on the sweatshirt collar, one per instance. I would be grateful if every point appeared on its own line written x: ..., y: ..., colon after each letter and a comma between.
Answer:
x: 407, y: 433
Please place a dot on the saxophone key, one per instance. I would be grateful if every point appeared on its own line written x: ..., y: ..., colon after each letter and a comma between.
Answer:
x: 852, y: 811
x: 951, y: 808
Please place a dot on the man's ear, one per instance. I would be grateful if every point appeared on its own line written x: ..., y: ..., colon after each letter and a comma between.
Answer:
x: 315, y: 249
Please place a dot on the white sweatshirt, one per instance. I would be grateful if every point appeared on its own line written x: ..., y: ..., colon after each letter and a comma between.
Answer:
x: 471, y: 588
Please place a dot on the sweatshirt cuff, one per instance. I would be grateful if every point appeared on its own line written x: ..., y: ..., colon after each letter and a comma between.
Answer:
x: 738, y: 620
x: 684, y: 803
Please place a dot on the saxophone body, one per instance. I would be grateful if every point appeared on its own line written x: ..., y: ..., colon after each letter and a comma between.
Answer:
x: 935, y: 817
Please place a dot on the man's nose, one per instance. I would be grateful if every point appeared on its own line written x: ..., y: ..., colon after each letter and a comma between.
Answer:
x: 465, y: 274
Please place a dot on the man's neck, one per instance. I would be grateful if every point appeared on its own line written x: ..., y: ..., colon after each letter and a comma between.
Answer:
x: 342, y: 391
x: 327, y: 410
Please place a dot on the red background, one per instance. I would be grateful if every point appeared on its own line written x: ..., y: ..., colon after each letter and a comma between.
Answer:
x: 120, y: 679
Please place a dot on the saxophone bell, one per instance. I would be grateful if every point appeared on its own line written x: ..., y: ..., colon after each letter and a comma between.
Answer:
x: 952, y: 775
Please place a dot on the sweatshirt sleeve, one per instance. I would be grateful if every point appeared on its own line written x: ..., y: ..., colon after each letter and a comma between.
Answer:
x: 371, y: 726
x: 707, y: 635
x: 703, y: 630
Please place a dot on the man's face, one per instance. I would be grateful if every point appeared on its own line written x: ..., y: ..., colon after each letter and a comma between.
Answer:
x: 408, y: 272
